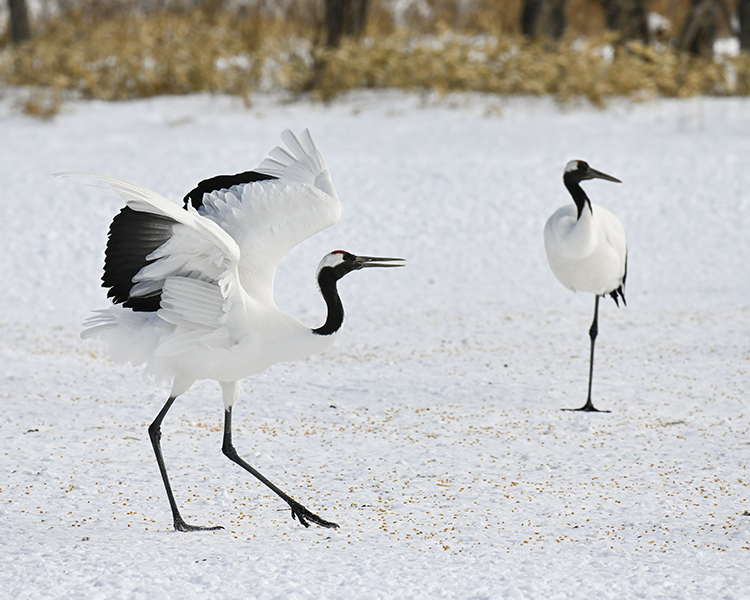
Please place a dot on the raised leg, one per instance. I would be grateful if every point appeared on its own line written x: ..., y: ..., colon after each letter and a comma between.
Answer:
x: 298, y: 511
x: 154, y: 432
x: 593, y: 332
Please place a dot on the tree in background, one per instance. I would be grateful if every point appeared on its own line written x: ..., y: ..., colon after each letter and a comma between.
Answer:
x: 743, y: 17
x: 701, y: 26
x: 344, y: 18
x: 20, y: 31
x: 628, y: 18
x: 543, y: 18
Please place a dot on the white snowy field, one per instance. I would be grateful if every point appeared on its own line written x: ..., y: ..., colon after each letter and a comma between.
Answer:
x: 432, y: 431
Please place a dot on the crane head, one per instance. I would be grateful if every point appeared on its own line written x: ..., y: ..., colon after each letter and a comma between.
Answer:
x: 341, y: 262
x: 579, y: 170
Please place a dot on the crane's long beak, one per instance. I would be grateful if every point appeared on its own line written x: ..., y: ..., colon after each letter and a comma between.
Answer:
x: 599, y: 175
x: 376, y: 261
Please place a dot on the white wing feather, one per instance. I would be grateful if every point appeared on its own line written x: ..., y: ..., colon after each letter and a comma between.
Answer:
x: 268, y: 218
x: 305, y: 164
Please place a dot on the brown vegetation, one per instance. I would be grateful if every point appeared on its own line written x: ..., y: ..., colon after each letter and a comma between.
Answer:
x: 117, y: 54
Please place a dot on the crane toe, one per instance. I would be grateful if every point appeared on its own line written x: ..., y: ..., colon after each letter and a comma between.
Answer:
x: 180, y: 525
x: 304, y: 516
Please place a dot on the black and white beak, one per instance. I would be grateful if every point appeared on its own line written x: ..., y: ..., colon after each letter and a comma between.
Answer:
x: 363, y: 262
x: 594, y: 174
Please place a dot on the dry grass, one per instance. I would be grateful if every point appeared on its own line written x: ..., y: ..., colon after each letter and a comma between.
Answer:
x: 134, y: 56
x: 567, y: 70
x: 115, y: 55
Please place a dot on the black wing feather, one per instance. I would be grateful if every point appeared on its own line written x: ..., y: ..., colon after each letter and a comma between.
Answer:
x: 221, y: 182
x: 621, y: 290
x: 133, y: 235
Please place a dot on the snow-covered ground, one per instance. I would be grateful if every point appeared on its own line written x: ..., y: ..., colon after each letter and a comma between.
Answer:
x: 432, y: 431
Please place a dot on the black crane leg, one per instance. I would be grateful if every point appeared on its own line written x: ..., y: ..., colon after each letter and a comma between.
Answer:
x: 298, y: 511
x: 154, y: 432
x: 593, y: 332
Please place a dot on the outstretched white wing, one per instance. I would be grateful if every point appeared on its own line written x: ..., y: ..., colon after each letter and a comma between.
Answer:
x: 267, y: 218
x: 192, y: 270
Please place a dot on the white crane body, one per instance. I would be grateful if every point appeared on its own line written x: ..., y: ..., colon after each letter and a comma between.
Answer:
x: 186, y: 346
x: 586, y: 254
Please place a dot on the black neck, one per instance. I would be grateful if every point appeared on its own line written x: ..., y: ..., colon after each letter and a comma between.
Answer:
x: 327, y: 280
x: 579, y: 196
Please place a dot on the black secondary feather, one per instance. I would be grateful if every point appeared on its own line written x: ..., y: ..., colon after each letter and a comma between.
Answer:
x: 221, y: 182
x: 133, y: 235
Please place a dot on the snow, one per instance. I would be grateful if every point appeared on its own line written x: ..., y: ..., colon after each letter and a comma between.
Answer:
x: 432, y: 430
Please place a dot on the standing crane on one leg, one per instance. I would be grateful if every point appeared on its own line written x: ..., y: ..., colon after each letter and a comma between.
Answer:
x: 586, y: 249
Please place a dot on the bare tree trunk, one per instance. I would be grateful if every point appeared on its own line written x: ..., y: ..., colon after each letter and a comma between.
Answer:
x: 334, y: 22
x: 543, y: 18
x: 357, y: 18
x: 344, y: 18
x: 20, y: 30
x: 628, y: 17
x: 743, y: 16
x: 702, y: 23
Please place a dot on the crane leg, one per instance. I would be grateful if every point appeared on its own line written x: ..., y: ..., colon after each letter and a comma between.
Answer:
x: 154, y: 432
x: 593, y: 332
x: 298, y: 511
